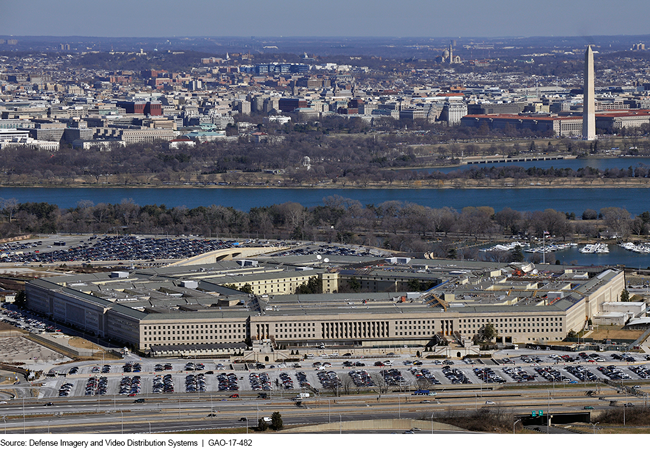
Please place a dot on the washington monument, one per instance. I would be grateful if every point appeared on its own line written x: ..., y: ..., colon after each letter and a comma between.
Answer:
x: 589, y: 106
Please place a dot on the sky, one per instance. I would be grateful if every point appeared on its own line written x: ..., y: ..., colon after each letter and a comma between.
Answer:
x: 337, y: 18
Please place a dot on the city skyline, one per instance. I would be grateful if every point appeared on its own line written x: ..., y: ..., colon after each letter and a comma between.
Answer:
x: 415, y: 18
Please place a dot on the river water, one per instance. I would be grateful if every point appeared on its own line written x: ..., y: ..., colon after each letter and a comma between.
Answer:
x: 617, y: 256
x: 635, y: 200
x: 575, y: 200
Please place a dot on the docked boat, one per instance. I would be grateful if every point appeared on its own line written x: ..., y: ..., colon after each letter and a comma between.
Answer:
x: 597, y: 248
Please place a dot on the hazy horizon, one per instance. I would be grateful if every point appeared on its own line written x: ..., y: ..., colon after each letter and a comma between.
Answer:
x: 323, y: 36
x: 339, y: 18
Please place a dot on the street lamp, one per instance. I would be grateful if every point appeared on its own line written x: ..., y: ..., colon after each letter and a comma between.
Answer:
x: 514, y: 424
x: 122, y: 412
x: 148, y: 422
x: 548, y: 412
x: 340, y: 424
x: 432, y: 413
x: 594, y: 426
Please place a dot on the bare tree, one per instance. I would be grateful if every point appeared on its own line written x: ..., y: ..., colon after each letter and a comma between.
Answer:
x: 9, y: 206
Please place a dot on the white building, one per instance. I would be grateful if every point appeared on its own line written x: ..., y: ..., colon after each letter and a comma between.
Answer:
x: 453, y: 112
x: 51, y: 146
x: 278, y: 119
x: 619, y: 313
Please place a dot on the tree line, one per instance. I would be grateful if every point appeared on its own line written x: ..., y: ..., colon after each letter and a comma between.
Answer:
x: 399, y: 226
x: 358, y: 159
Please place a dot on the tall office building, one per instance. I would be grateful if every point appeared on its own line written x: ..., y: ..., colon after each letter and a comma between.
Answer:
x: 589, y: 105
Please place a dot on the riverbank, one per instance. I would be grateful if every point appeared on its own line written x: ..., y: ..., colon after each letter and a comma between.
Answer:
x: 457, y: 183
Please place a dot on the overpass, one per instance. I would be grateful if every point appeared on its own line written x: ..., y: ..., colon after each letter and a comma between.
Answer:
x: 227, y: 254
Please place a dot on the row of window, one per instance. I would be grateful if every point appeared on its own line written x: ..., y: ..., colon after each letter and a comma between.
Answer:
x: 415, y: 327
x: 296, y: 335
x: 507, y: 320
x: 514, y: 331
x: 198, y: 326
x: 191, y: 340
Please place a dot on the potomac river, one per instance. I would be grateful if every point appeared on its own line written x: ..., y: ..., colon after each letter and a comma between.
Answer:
x: 576, y: 200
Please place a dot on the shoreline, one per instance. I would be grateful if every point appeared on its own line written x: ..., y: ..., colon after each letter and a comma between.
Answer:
x: 262, y: 181
x: 465, y: 164
x: 454, y: 184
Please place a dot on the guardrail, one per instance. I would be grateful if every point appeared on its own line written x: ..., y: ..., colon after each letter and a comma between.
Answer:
x: 15, y: 369
x: 54, y: 346
x: 640, y: 340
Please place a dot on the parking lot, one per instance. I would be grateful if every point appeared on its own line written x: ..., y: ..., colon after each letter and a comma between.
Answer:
x: 108, y: 248
x: 148, y: 377
x: 326, y: 250
x: 26, y: 322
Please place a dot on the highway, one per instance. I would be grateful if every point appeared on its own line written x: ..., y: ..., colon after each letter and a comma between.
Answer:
x: 187, y: 412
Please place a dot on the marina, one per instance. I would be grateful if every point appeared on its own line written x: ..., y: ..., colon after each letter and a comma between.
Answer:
x: 641, y: 248
x: 624, y: 254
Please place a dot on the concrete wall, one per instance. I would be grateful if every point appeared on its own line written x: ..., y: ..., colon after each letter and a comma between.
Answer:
x: 226, y: 254
x: 371, y: 425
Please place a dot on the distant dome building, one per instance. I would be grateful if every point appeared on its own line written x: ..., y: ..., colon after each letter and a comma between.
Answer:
x: 448, y: 57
